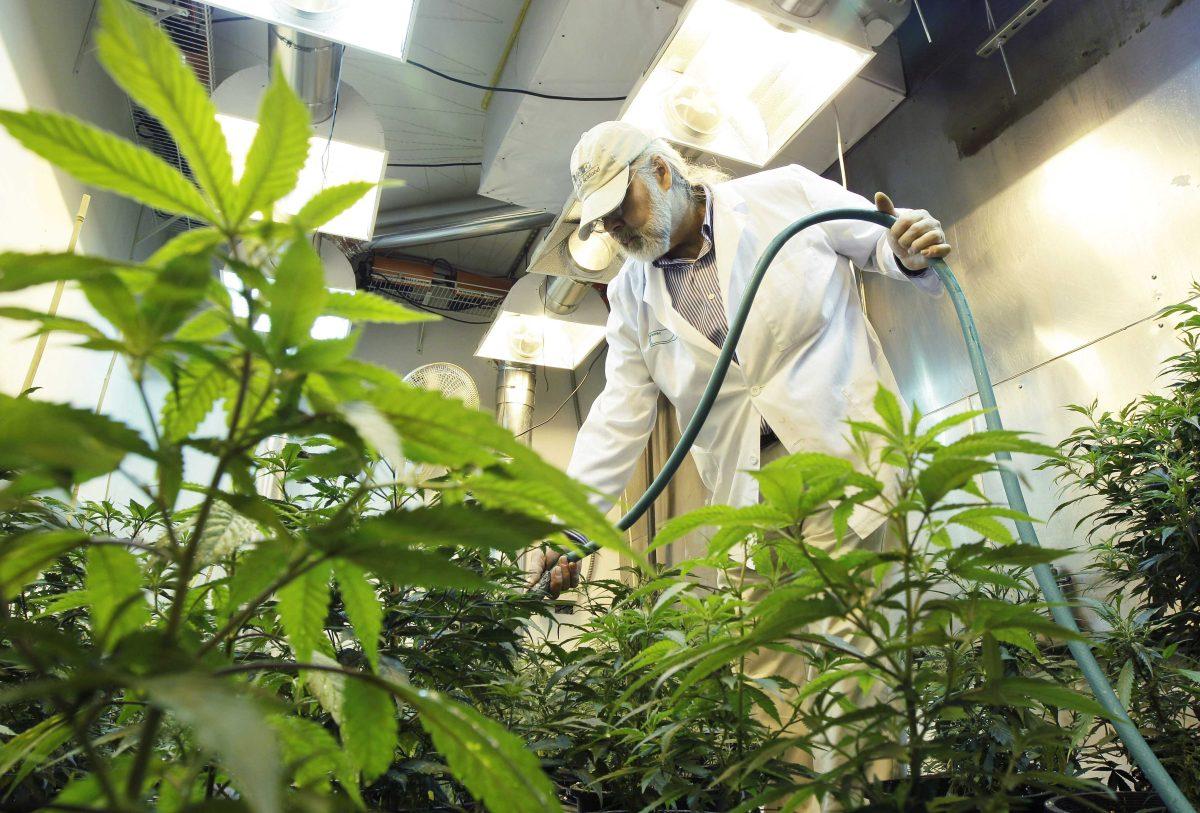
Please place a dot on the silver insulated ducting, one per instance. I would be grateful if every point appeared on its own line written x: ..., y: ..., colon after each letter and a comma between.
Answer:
x: 311, y: 65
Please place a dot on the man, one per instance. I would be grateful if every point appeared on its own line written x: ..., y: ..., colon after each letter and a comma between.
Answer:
x: 808, y: 359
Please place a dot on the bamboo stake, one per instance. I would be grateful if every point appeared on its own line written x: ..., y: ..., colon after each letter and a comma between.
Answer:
x: 40, y: 349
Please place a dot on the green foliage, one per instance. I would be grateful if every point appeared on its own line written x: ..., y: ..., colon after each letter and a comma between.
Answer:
x: 909, y: 637
x: 1134, y: 473
x: 235, y: 651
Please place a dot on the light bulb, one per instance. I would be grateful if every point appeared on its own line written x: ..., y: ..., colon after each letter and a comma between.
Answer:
x: 592, y: 255
x: 694, y: 108
x: 526, y: 339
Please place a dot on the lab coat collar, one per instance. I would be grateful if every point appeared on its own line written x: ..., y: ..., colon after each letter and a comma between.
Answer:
x: 736, y: 241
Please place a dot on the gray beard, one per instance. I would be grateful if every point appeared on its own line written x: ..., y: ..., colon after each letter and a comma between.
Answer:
x: 653, y: 240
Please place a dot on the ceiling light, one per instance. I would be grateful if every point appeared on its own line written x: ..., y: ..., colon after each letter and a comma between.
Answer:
x: 349, y: 146
x: 525, y: 331
x: 740, y: 82
x: 562, y: 254
x: 382, y: 27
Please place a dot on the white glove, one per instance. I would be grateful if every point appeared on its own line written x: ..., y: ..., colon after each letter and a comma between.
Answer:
x: 916, y: 237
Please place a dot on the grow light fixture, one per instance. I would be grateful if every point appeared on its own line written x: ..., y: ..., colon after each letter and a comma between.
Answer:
x: 740, y: 81
x: 526, y: 331
x: 562, y: 254
x: 349, y: 146
x: 382, y: 27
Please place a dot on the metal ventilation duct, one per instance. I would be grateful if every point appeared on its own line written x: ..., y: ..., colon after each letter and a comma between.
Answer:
x: 494, y: 220
x: 310, y: 64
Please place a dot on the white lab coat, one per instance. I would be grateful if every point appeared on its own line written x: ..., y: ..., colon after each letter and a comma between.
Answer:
x: 808, y: 359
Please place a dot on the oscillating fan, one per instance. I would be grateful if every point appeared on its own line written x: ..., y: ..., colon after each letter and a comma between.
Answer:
x: 451, y: 381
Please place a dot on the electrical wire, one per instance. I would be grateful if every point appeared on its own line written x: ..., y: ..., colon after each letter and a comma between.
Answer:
x: 578, y: 386
x: 498, y: 89
x: 435, y: 166
x: 436, y: 312
x: 230, y: 19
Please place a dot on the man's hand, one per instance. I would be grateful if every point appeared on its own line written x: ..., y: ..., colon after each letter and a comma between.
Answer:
x: 564, y: 574
x: 916, y: 237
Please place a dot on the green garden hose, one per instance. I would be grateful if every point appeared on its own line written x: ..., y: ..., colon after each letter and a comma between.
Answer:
x: 1137, y: 747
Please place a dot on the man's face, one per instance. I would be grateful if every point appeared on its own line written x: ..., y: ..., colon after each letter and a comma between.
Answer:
x: 642, y: 225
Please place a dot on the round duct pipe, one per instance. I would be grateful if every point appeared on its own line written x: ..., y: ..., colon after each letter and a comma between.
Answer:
x: 514, y: 398
x: 562, y: 295
x: 311, y: 65
x: 499, y: 220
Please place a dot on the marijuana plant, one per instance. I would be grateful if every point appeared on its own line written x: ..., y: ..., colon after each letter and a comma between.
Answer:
x: 867, y: 620
x: 177, y: 657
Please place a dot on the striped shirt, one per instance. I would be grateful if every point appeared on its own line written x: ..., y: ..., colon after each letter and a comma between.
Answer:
x: 695, y: 289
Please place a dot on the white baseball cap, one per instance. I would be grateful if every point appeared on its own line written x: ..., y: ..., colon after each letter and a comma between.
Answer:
x: 600, y: 169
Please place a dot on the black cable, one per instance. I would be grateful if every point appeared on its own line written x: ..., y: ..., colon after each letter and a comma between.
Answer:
x: 230, y: 19
x: 434, y: 166
x: 437, y: 312
x: 497, y: 89
x: 578, y: 386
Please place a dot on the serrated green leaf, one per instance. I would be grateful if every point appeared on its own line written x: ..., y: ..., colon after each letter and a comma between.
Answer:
x: 297, y: 296
x: 254, y: 574
x: 361, y: 306
x: 989, y: 442
x: 303, y: 604
x: 177, y: 291
x: 941, y: 477
x: 329, y: 203
x: 751, y: 516
x: 887, y: 407
x: 311, y: 754
x: 203, y: 327
x: 101, y: 159
x: 50, y: 322
x: 417, y: 568
x: 984, y: 525
x: 493, y: 764
x: 114, y: 582
x: 24, y: 555
x: 228, y: 724
x: 32, y: 747
x: 198, y: 388
x: 368, y: 727
x: 464, y: 525
x: 1124, y: 685
x: 199, y: 241
x: 1019, y: 691
x: 71, y: 443
x: 225, y: 532
x: 319, y: 355
x: 363, y: 607
x: 144, y: 62
x: 278, y: 152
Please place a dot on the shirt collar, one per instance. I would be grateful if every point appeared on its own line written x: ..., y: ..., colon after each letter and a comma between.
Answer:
x: 706, y: 232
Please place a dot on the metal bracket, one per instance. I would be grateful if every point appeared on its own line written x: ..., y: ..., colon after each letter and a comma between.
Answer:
x: 1006, y: 32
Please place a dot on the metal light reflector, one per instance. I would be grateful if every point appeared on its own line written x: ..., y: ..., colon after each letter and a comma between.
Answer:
x: 740, y: 82
x: 380, y: 26
x: 526, y: 331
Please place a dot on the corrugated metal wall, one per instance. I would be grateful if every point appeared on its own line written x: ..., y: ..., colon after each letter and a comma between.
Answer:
x: 1074, y: 207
